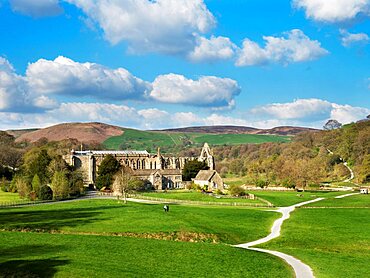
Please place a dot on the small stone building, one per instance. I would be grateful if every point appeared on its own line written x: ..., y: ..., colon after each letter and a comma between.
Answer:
x: 209, y: 180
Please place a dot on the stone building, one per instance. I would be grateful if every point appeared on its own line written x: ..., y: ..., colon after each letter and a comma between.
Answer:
x: 163, y: 172
x: 209, y: 180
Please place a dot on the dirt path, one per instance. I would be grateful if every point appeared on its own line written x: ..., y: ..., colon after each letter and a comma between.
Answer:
x: 301, y: 270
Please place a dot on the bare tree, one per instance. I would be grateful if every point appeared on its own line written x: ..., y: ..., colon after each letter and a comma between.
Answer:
x: 332, y: 124
x: 123, y: 183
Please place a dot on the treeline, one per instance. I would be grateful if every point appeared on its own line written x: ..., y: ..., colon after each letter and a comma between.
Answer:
x: 38, y: 171
x: 303, y: 162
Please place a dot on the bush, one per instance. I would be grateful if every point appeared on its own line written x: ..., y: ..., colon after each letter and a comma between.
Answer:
x: 237, y: 191
x: 192, y: 186
x: 45, y: 193
x: 287, y: 183
x: 261, y: 183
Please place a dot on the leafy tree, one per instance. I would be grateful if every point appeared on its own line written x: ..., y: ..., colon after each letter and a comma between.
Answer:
x: 60, y: 186
x: 76, y: 185
x: 36, y: 184
x: 107, y: 169
x: 191, y: 169
x: 332, y: 124
x: 36, y: 161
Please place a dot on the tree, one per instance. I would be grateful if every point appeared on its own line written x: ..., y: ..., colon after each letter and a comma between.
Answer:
x: 107, y: 169
x: 332, y: 124
x: 60, y: 186
x: 124, y: 183
x: 36, y: 184
x: 23, y: 187
x: 36, y: 161
x: 191, y: 169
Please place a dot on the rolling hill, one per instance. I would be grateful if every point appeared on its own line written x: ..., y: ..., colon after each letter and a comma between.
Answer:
x: 83, y: 132
x: 114, y: 137
x: 226, y: 129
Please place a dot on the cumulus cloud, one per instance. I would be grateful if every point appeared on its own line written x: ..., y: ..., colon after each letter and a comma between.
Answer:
x: 14, y: 92
x: 36, y: 8
x: 333, y: 11
x: 349, y: 38
x: 67, y: 77
x: 310, y: 111
x: 208, y: 91
x: 213, y: 49
x: 165, y: 26
x: 293, y: 47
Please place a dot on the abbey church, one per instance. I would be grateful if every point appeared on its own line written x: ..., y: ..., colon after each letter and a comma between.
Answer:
x: 162, y: 172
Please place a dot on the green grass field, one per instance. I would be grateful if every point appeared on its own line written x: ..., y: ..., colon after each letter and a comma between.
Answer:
x: 149, y: 140
x: 89, y: 238
x: 362, y: 201
x: 48, y: 255
x: 6, y: 197
x: 334, y: 242
x: 200, y: 197
x: 288, y: 198
x: 228, y: 224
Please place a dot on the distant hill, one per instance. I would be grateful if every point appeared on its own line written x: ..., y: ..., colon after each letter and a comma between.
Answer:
x: 83, y: 132
x: 226, y: 129
x: 114, y: 137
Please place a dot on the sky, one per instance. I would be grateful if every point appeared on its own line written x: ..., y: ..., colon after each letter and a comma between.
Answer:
x: 153, y: 64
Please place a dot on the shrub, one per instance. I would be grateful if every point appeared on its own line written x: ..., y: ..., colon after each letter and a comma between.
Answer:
x: 261, y: 183
x: 45, y: 193
x: 237, y: 191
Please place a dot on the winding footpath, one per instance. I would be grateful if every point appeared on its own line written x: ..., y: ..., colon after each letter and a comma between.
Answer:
x: 301, y: 270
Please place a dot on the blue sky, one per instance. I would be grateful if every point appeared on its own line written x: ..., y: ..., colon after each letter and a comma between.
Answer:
x: 169, y: 63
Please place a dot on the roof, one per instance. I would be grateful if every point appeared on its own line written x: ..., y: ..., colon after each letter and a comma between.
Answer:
x: 205, y: 175
x: 111, y: 152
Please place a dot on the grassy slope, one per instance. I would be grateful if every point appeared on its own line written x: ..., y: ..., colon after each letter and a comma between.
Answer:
x: 231, y: 225
x: 288, y: 198
x: 47, y: 255
x: 334, y: 242
x: 6, y: 197
x: 196, y: 196
x: 136, y: 139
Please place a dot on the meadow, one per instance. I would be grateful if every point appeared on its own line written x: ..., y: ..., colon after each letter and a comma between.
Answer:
x: 104, y: 238
x: 108, y: 217
x: 150, y: 140
x: 52, y: 255
x: 333, y: 241
x: 288, y: 198
x: 200, y: 197
x: 359, y: 201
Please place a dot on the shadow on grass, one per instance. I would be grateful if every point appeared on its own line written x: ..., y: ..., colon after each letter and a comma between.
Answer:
x: 14, y: 262
x: 53, y: 219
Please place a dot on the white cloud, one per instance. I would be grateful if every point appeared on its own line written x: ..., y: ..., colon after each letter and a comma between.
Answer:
x: 208, y: 91
x: 347, y: 114
x: 14, y: 92
x: 294, y: 47
x: 36, y: 8
x: 332, y: 11
x: 348, y: 38
x: 213, y: 49
x: 67, y: 77
x: 165, y: 26
x: 309, y: 111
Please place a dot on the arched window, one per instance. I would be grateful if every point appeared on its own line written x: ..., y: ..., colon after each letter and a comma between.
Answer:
x: 143, y: 164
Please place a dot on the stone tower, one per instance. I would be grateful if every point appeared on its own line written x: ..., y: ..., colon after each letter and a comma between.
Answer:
x: 207, y: 156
